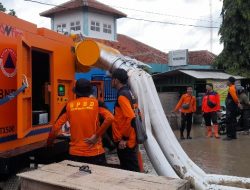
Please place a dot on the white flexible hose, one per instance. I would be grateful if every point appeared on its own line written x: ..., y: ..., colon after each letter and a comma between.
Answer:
x: 155, y: 154
x: 162, y: 146
x: 146, y: 91
x: 168, y: 142
x: 231, y: 180
x: 221, y: 187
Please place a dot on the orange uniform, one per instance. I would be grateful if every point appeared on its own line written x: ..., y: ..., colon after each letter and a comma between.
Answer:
x: 210, y: 106
x: 233, y: 93
x: 83, y: 116
x: 214, y: 98
x: 186, y: 99
x: 124, y: 114
x: 232, y: 102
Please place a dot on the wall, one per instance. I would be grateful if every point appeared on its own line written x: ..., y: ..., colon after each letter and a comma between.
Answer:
x: 176, y: 83
x: 67, y: 17
x: 103, y: 19
x: 169, y: 101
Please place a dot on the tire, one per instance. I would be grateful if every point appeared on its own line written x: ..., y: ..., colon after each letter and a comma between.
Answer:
x: 13, y: 183
x: 222, y: 129
x: 1, y: 185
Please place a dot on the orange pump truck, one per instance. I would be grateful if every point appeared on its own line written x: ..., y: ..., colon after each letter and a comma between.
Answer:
x: 47, y: 61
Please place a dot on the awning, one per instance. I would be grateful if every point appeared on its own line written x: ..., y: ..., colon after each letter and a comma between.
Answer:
x: 209, y: 74
x: 198, y: 74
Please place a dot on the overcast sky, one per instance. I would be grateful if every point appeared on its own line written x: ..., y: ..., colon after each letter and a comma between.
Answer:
x: 162, y: 36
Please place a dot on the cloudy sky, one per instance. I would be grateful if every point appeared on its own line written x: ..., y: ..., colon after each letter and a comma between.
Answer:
x: 160, y: 35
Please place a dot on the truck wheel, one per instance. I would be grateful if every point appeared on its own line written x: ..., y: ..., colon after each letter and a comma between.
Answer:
x: 222, y: 129
x: 1, y: 185
x: 13, y: 183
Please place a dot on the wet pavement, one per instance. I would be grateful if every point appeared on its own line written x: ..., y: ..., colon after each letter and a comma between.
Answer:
x: 216, y: 156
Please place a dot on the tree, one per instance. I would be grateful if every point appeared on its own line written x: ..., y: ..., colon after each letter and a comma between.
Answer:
x: 2, y: 8
x: 12, y: 12
x: 235, y: 35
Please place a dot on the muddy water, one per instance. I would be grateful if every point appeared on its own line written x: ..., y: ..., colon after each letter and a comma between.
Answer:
x: 218, y: 156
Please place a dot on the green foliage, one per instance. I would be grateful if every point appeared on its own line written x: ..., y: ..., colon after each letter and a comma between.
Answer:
x: 11, y: 12
x: 2, y: 8
x: 235, y: 35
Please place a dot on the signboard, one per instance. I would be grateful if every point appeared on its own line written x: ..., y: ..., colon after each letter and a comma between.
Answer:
x: 220, y: 86
x: 178, y: 57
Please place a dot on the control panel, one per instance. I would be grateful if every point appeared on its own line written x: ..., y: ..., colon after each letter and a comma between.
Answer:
x: 63, y: 91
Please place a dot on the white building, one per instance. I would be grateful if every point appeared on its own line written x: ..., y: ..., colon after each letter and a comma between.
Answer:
x: 89, y: 17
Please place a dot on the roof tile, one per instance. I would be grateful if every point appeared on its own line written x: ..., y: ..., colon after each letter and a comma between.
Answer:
x: 147, y: 54
x: 74, y: 4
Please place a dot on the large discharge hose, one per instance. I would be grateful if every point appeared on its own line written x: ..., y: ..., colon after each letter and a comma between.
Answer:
x: 163, y: 149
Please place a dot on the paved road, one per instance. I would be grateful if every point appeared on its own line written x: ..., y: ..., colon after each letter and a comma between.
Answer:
x: 218, y: 156
x: 214, y: 156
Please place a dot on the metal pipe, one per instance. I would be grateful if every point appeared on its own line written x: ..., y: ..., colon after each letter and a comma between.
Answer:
x: 93, y: 54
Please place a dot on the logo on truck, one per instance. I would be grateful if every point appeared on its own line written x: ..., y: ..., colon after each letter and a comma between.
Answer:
x: 10, y: 31
x: 8, y: 62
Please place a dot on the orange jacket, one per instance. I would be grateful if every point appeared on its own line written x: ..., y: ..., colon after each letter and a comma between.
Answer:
x: 124, y: 114
x: 233, y: 93
x: 213, y: 97
x: 186, y: 99
x: 83, y: 116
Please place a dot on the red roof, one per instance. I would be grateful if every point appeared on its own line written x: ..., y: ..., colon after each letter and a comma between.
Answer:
x: 74, y: 4
x: 202, y: 57
x: 147, y: 54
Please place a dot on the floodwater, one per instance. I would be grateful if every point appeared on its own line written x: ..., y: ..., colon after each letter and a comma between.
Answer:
x: 216, y: 156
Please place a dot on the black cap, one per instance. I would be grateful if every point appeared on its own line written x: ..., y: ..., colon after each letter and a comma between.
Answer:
x: 83, y: 87
x: 121, y: 75
x: 231, y: 79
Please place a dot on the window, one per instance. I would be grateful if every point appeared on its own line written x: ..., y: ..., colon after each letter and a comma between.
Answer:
x: 75, y: 26
x: 95, y: 26
x: 61, y: 28
x: 107, y: 28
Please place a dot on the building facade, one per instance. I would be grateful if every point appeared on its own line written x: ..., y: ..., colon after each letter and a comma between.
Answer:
x: 88, y: 17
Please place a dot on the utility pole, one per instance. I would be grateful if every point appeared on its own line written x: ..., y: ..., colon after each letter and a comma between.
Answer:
x: 211, y: 26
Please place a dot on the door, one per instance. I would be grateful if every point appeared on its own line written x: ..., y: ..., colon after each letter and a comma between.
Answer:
x: 24, y: 99
x: 98, y: 89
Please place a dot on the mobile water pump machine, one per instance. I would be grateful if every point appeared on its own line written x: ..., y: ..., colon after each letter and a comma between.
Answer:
x: 46, y: 61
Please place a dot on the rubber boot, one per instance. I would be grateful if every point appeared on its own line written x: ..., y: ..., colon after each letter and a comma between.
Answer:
x: 209, y: 131
x: 188, y: 134
x: 216, y: 134
x: 140, y: 162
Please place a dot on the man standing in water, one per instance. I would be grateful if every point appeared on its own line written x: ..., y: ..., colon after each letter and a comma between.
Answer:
x: 123, y: 132
x: 210, y: 106
x: 232, y: 104
x: 187, y: 106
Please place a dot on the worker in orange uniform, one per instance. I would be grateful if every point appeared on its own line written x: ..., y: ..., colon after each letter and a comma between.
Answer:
x: 123, y: 133
x: 210, y: 106
x: 86, y: 132
x: 232, y: 104
x: 187, y: 106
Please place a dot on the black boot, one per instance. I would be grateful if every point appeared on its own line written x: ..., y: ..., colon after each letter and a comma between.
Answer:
x: 182, y: 136
x: 188, y: 135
